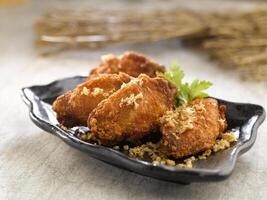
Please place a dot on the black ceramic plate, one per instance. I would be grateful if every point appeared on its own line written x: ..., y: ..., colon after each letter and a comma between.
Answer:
x: 243, y: 118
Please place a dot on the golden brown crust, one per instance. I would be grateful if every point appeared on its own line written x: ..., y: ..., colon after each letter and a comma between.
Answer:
x: 74, y: 107
x: 133, y: 111
x: 130, y: 63
x: 202, y: 121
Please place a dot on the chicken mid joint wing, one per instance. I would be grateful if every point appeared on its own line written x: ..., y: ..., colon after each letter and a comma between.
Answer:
x: 74, y: 107
x: 130, y: 63
x: 133, y: 111
x: 192, y: 128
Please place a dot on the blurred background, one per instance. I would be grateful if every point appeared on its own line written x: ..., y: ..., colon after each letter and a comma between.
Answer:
x: 230, y: 35
x: 41, y: 41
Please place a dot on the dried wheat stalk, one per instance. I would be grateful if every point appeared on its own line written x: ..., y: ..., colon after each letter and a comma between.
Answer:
x: 237, y: 40
x: 97, y: 28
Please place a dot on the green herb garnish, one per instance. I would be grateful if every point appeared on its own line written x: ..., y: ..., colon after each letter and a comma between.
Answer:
x: 187, y: 92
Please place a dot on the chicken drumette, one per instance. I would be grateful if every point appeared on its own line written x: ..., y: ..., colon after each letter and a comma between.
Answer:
x: 74, y: 107
x: 133, y: 111
x: 192, y: 128
x: 130, y: 63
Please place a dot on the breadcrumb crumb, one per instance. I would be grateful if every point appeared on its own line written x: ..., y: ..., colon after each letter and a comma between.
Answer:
x: 97, y: 91
x: 221, y: 145
x: 126, y: 147
x: 205, y: 155
x: 188, y: 163
x: 85, y: 91
x: 116, y: 147
x: 229, y: 136
x: 133, y: 81
x: 131, y: 100
x: 86, y: 137
x: 170, y: 162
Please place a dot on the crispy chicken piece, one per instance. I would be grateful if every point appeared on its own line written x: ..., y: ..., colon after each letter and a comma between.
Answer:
x: 74, y: 107
x: 133, y: 111
x: 192, y: 128
x: 130, y: 63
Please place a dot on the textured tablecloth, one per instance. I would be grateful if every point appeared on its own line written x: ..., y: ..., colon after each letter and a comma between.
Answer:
x: 37, y: 165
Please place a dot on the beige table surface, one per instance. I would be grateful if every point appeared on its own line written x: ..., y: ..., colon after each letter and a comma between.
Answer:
x: 37, y: 165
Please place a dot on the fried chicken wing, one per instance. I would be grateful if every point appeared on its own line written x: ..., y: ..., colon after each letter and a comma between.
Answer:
x: 133, y: 111
x: 74, y: 107
x: 130, y: 63
x: 192, y: 128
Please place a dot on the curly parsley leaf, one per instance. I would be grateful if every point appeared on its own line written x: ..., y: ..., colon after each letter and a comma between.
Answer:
x: 187, y: 92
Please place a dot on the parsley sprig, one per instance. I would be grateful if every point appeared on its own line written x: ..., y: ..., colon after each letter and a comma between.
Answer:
x: 187, y: 92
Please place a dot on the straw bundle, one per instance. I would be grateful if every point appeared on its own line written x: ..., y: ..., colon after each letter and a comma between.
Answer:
x: 237, y: 40
x: 89, y: 28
